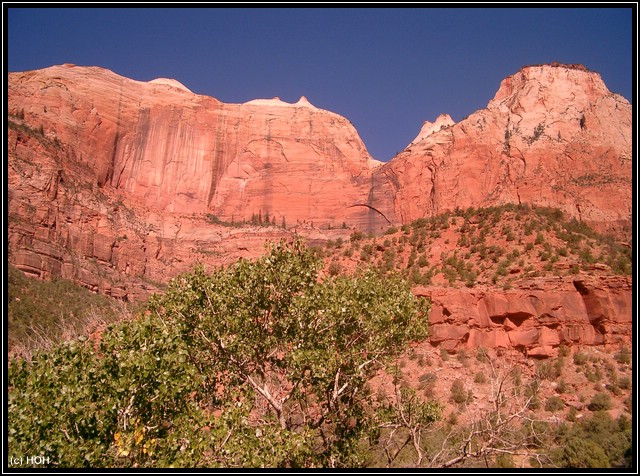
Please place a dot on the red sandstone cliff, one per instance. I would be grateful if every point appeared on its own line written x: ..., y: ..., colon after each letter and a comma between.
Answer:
x: 111, y: 182
x: 553, y: 135
x: 537, y: 317
x: 170, y: 150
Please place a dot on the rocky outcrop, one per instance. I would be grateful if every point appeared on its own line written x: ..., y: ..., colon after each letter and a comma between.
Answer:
x: 169, y: 150
x: 537, y: 317
x: 61, y: 223
x: 121, y: 185
x: 442, y: 122
x: 553, y: 135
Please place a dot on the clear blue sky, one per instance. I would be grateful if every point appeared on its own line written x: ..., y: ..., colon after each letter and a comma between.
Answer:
x: 385, y: 69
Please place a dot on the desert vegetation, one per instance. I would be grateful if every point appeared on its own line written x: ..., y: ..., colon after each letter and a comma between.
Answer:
x: 280, y: 363
x: 41, y: 313
x: 493, y: 246
x: 257, y: 365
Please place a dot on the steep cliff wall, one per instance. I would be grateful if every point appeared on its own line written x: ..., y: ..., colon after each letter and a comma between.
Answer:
x: 174, y: 151
x: 553, y: 135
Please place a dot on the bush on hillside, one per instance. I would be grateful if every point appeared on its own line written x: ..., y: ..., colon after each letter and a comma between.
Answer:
x: 256, y: 365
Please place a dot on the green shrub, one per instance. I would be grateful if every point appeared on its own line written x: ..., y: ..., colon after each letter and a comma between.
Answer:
x: 335, y: 268
x: 480, y: 378
x: 482, y: 355
x: 463, y: 356
x: 615, y: 389
x: 356, y: 236
x: 603, y: 441
x: 623, y: 356
x: 580, y: 358
x: 591, y: 376
x: 600, y: 401
x: 554, y: 404
x: 535, y: 403
x: 582, y: 453
x: 549, y: 370
x: 458, y: 393
x: 625, y: 383
x: 562, y: 387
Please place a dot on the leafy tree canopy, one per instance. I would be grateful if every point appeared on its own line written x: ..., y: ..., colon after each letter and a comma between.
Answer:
x: 260, y: 364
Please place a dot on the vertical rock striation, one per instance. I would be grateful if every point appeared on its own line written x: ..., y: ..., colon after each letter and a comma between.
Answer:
x: 553, y: 135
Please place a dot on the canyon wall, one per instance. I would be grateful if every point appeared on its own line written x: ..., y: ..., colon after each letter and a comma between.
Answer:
x: 170, y: 150
x: 553, y: 135
x: 121, y: 185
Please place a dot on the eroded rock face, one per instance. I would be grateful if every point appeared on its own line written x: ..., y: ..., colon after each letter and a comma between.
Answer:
x: 552, y: 136
x: 536, y: 317
x: 117, y: 184
x: 61, y: 223
x: 173, y: 151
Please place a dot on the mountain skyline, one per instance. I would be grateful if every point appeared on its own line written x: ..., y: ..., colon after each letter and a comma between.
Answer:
x: 385, y: 70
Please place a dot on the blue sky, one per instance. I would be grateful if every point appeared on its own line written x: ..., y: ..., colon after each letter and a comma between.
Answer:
x: 385, y: 69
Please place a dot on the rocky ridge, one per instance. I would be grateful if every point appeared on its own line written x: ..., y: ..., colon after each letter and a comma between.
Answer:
x: 551, y: 136
x: 121, y: 184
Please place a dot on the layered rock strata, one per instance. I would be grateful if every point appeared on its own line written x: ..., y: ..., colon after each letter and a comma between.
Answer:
x: 122, y: 184
x: 170, y: 150
x: 553, y: 135
x: 536, y: 317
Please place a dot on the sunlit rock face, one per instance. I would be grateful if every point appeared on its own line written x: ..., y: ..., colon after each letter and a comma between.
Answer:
x: 171, y: 150
x: 537, y: 318
x: 553, y: 135
x: 122, y: 184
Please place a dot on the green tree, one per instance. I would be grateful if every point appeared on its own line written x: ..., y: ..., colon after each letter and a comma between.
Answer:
x: 259, y: 364
x: 583, y: 453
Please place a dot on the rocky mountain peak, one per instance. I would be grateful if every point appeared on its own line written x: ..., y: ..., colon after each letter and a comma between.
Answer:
x: 553, y: 135
x: 170, y: 82
x: 442, y: 121
x: 549, y: 86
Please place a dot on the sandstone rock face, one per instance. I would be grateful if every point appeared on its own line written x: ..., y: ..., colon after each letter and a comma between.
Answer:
x: 120, y: 185
x: 536, y: 317
x: 61, y: 223
x: 442, y: 121
x: 552, y: 136
x: 170, y: 150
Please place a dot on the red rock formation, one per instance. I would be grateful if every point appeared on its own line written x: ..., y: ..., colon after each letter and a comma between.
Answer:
x: 115, y: 183
x: 552, y: 136
x: 62, y: 224
x: 174, y: 151
x: 536, y: 317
